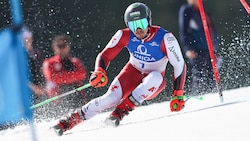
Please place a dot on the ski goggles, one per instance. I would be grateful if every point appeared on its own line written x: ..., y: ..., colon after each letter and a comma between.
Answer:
x: 141, y: 23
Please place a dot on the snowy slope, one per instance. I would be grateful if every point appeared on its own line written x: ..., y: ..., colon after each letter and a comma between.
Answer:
x: 207, y: 120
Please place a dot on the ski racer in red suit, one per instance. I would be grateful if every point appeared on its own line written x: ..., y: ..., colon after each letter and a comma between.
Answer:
x: 142, y: 78
x: 62, y: 71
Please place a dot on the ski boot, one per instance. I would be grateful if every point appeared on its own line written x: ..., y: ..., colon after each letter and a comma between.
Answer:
x: 120, y: 111
x: 69, y: 122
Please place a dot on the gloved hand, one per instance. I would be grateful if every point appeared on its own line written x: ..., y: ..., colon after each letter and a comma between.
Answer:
x: 67, y: 64
x: 98, y: 79
x: 177, y: 102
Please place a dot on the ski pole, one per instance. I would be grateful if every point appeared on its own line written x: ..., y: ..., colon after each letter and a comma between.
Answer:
x: 194, y: 97
x: 59, y: 96
x: 186, y: 98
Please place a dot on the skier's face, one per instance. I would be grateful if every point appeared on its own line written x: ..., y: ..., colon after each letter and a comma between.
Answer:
x: 140, y: 33
x: 139, y: 27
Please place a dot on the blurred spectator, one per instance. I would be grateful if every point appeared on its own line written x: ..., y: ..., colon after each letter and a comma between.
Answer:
x: 35, y: 60
x: 193, y: 41
x: 64, y: 72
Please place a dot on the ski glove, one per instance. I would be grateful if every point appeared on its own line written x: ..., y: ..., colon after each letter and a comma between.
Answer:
x: 98, y: 79
x: 177, y: 102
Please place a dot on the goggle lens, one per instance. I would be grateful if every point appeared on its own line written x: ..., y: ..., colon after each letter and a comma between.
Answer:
x: 141, y: 23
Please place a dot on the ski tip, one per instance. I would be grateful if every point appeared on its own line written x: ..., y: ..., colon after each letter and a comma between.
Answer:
x: 112, y: 121
x: 57, y: 130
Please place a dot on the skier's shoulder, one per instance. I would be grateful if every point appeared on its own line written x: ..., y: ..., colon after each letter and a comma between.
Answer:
x: 122, y: 35
x: 168, y: 35
x: 122, y: 32
x: 157, y: 29
x: 125, y: 31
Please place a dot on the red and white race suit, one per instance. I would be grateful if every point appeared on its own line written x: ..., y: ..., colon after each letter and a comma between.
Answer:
x: 143, y: 75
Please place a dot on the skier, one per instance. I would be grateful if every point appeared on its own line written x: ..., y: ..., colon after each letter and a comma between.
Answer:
x: 142, y: 78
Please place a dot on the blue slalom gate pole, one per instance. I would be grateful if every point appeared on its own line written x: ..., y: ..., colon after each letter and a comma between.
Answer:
x: 17, y: 19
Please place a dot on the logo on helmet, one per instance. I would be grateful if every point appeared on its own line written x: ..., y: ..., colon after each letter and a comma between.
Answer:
x: 135, y: 14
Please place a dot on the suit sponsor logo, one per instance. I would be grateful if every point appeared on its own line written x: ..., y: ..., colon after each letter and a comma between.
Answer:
x: 152, y: 89
x: 171, y: 49
x: 143, y: 96
x: 114, y: 87
x: 113, y: 40
x: 142, y: 54
x: 135, y: 39
x: 154, y: 44
x: 171, y: 38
